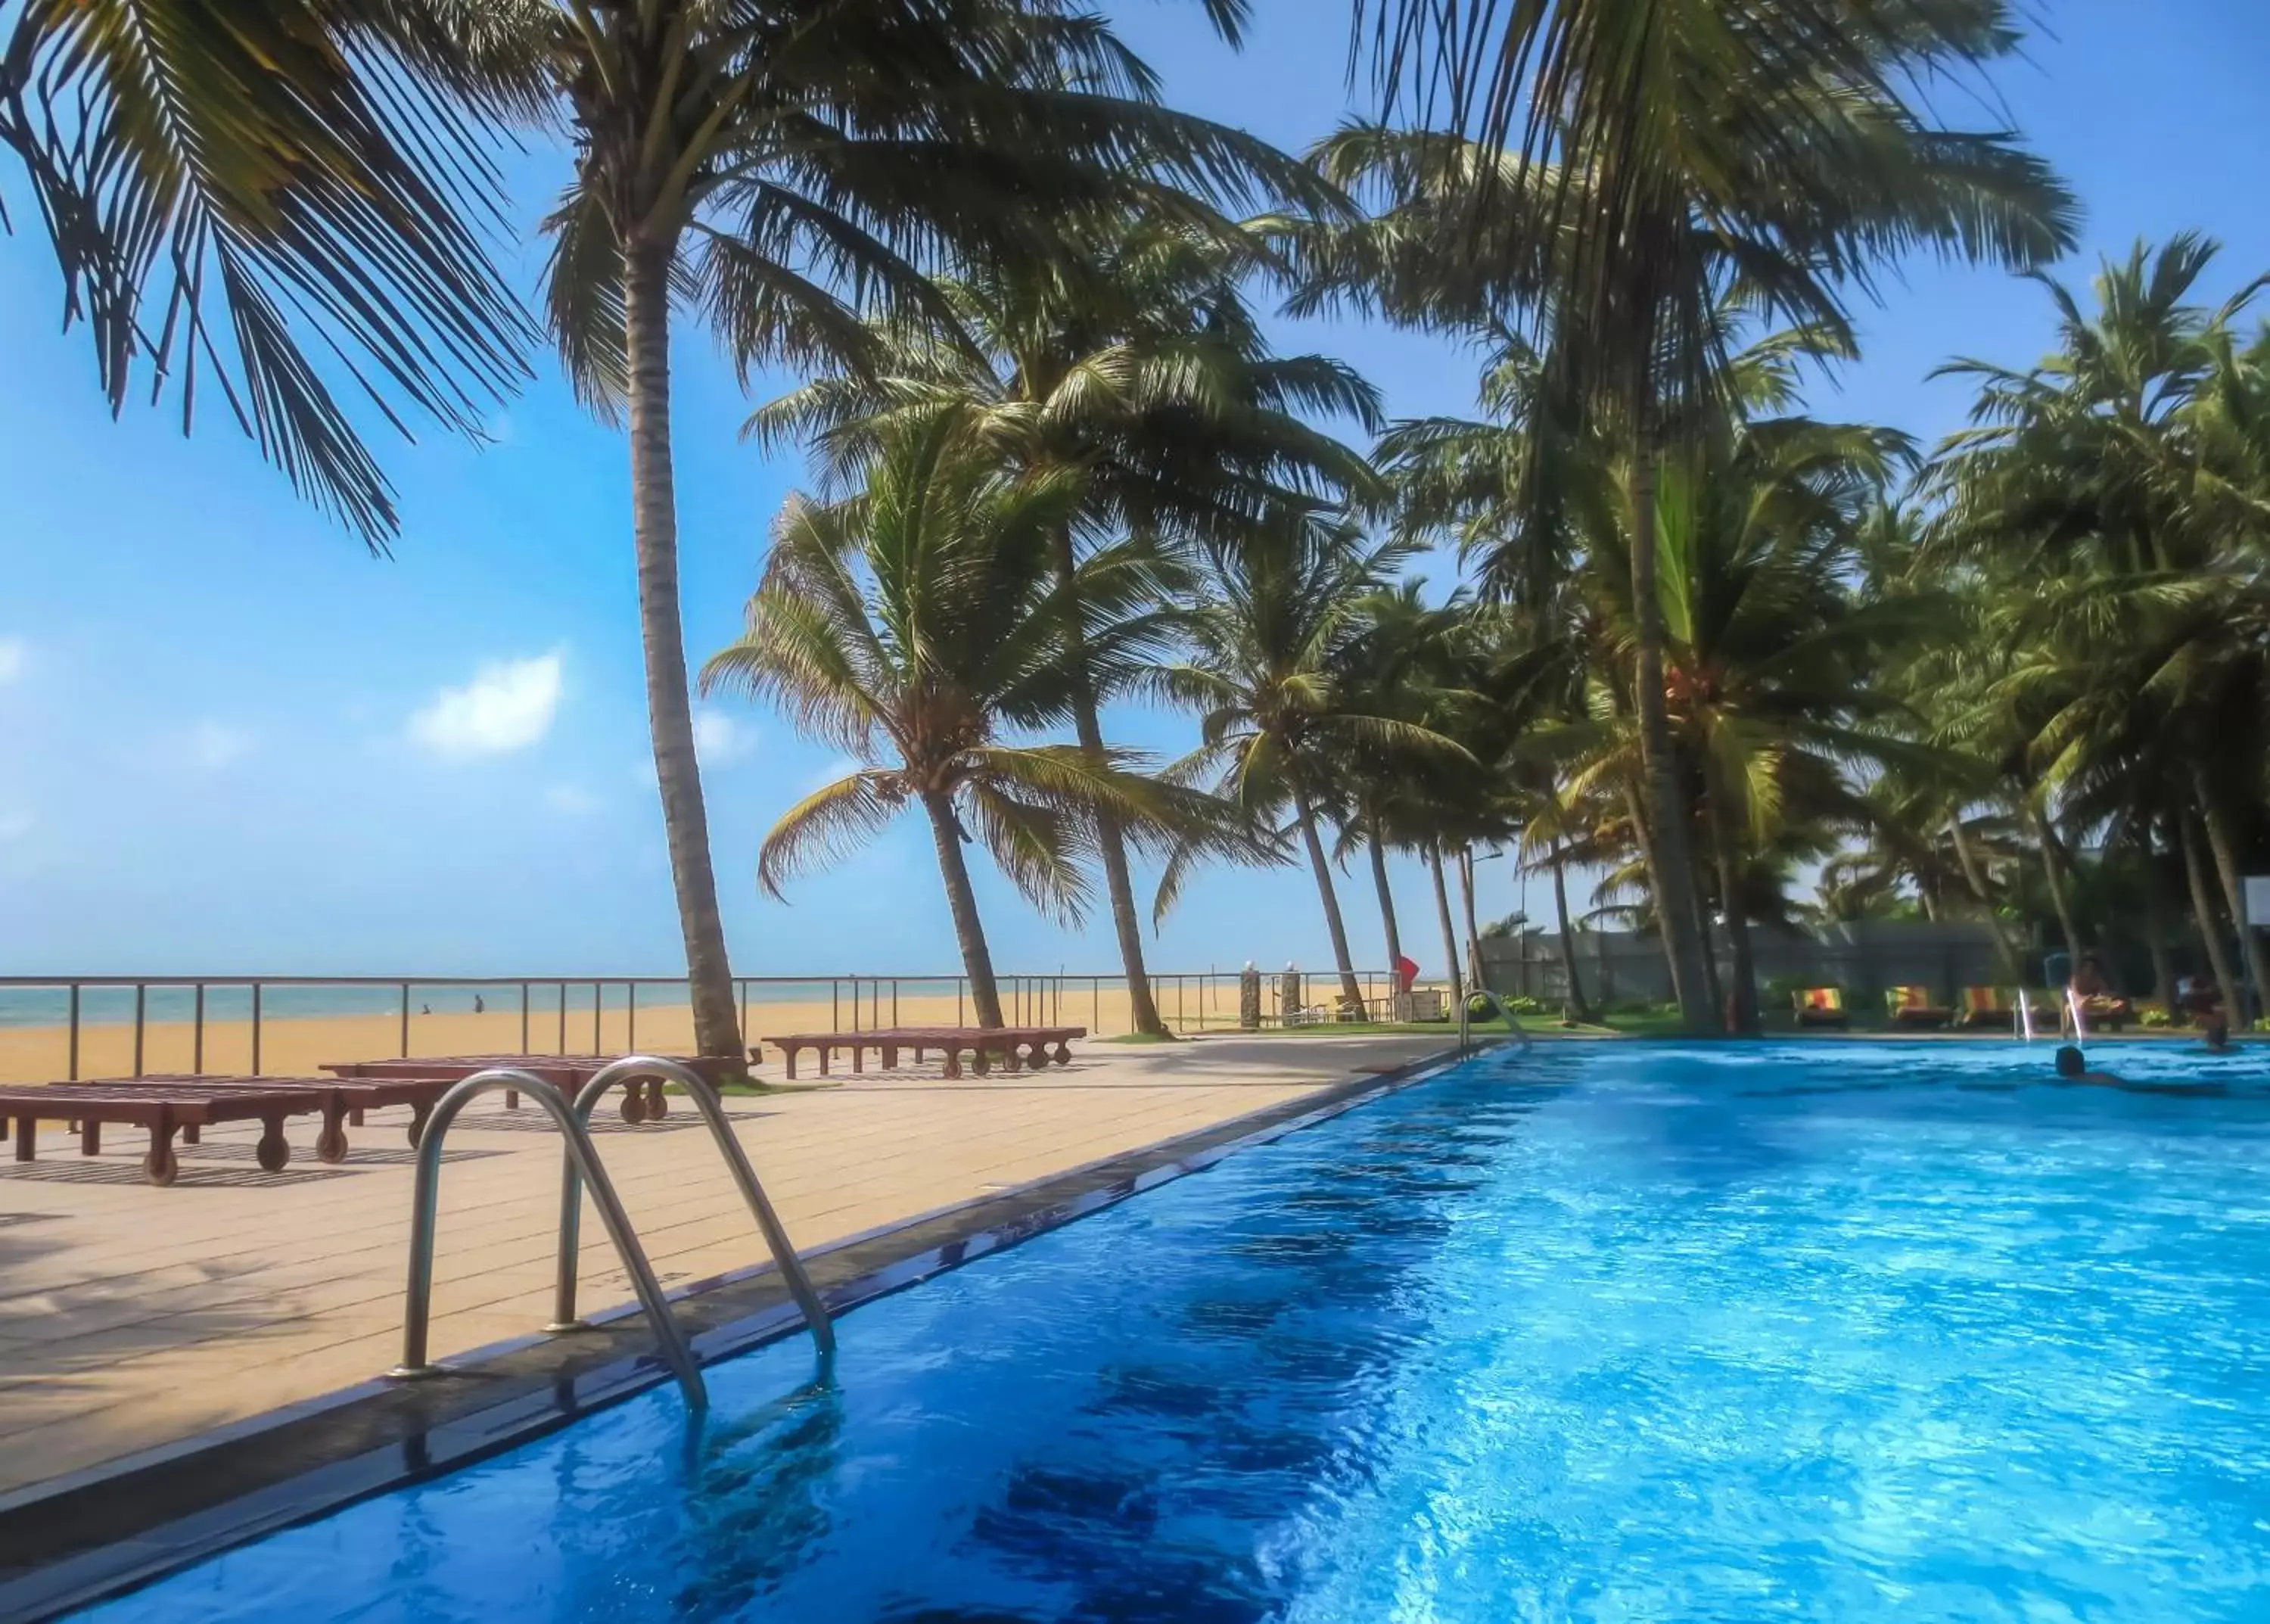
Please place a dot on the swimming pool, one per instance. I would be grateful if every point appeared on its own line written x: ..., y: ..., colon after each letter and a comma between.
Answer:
x: 1833, y: 1330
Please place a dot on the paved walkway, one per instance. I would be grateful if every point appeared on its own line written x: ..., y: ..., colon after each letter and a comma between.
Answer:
x: 132, y: 1316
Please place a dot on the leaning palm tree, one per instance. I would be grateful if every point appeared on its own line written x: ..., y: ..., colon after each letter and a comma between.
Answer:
x: 918, y: 624
x: 1275, y: 614
x: 1138, y: 363
x: 1614, y: 166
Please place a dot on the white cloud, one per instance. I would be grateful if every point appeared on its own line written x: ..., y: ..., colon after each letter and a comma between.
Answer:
x: 572, y: 799
x: 212, y: 746
x: 718, y: 739
x: 15, y: 654
x: 508, y: 705
x: 841, y: 767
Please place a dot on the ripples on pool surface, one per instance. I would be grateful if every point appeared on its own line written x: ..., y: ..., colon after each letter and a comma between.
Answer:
x: 1846, y: 1333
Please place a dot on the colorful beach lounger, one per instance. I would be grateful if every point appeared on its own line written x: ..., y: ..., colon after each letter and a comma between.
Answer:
x: 1912, y: 1006
x: 1988, y: 1006
x: 1821, y: 1006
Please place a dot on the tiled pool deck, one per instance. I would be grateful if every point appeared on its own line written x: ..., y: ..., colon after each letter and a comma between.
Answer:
x: 132, y: 1318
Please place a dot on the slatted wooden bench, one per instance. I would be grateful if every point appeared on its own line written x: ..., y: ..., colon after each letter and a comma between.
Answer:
x: 345, y: 1101
x: 166, y: 1109
x: 951, y: 1043
x: 643, y: 1101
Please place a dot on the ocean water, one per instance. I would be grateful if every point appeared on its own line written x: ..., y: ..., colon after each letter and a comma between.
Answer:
x: 226, y: 1002
x: 1832, y: 1332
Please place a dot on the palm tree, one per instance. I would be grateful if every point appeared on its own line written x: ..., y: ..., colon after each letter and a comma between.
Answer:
x: 780, y: 165
x: 286, y: 202
x: 919, y: 624
x: 1630, y: 164
x: 2111, y: 499
x: 1275, y: 613
x: 1140, y: 365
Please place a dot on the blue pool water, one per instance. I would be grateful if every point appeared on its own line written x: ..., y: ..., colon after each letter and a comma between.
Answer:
x: 1845, y: 1332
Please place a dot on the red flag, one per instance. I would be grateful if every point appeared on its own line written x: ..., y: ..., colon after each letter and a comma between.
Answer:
x: 1405, y: 973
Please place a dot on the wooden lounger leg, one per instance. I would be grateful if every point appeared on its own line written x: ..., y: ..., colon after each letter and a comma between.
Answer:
x: 90, y: 1137
x: 952, y: 1061
x: 634, y: 1105
x: 418, y: 1115
x: 1038, y: 1060
x: 1009, y: 1061
x: 272, y: 1153
x: 656, y: 1106
x: 160, y: 1167
x: 826, y: 1057
x: 977, y: 1058
x: 788, y: 1061
x: 27, y: 1137
x: 859, y: 1059
x: 1063, y: 1051
x: 331, y: 1142
x: 354, y: 1117
x: 192, y: 1134
x: 890, y: 1056
x: 512, y: 1099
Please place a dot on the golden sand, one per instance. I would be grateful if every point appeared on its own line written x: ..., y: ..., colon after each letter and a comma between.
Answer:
x: 299, y: 1045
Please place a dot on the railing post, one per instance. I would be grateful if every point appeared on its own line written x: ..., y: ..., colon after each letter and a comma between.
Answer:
x: 141, y: 1006
x: 630, y: 1029
x: 894, y: 1000
x: 1095, y: 1005
x: 523, y: 1018
x: 197, y: 1033
x: 563, y: 1020
x: 961, y: 986
x: 405, y: 1020
x: 73, y: 1072
x: 598, y: 999
x: 744, y: 1012
x: 834, y: 1005
x: 255, y: 1028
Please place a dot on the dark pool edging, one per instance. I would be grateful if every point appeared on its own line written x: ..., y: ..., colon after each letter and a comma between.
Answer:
x: 73, y: 1541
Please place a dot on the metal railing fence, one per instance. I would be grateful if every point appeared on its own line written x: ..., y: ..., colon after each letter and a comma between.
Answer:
x: 75, y: 1026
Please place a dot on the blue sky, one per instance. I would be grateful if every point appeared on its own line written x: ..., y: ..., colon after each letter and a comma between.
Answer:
x: 232, y: 743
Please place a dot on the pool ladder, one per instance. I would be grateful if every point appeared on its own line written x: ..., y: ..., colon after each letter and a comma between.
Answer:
x: 583, y: 1166
x: 1466, y: 1017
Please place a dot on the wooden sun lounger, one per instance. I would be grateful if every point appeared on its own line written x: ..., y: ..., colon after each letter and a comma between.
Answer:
x: 346, y: 1100
x: 165, y: 1107
x: 1821, y: 1006
x: 643, y: 1100
x: 950, y: 1041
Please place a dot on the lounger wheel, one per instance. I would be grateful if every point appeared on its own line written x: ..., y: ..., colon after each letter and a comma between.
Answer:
x: 272, y: 1153
x: 657, y: 1102
x: 160, y: 1165
x: 330, y: 1144
x: 634, y: 1105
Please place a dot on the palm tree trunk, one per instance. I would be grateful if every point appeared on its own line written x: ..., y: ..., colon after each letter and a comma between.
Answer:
x: 1674, y: 865
x: 2156, y: 926
x: 962, y: 902
x: 1341, y: 959
x: 1645, y: 838
x: 2225, y: 852
x: 1744, y: 1015
x: 669, y: 711
x: 1110, y: 844
x: 1579, y: 1007
x: 2210, y: 927
x: 1473, y: 932
x: 1975, y: 876
x: 1442, y: 913
x: 1386, y: 902
x: 2053, y: 870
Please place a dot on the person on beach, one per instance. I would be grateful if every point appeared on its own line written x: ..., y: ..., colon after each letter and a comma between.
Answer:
x: 479, y: 1007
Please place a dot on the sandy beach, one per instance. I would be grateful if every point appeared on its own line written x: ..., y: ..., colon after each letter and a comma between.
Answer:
x: 299, y: 1045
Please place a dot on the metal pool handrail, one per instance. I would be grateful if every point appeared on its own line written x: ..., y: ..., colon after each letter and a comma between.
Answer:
x: 1466, y: 1018
x: 582, y: 1156
x: 704, y: 1095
